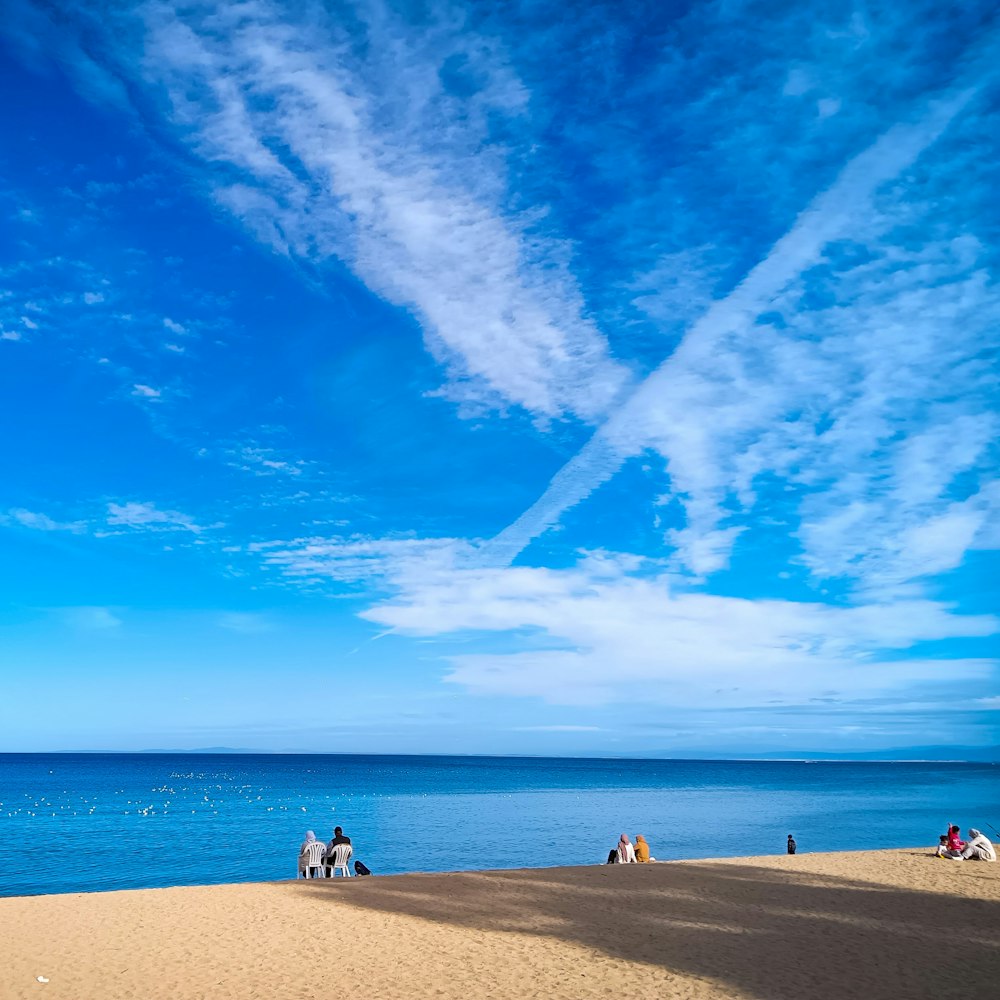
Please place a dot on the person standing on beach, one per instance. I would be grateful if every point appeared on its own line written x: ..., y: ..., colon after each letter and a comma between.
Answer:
x: 791, y: 844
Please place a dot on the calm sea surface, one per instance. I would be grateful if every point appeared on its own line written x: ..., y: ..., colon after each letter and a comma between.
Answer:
x: 80, y: 822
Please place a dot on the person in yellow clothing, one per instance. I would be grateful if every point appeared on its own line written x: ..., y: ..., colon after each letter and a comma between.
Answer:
x: 641, y: 849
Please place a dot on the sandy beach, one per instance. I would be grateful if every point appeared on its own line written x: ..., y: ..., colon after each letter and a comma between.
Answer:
x: 888, y: 924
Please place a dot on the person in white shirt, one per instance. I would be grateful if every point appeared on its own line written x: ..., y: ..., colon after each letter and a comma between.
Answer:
x: 311, y: 856
x: 626, y: 852
x: 978, y: 848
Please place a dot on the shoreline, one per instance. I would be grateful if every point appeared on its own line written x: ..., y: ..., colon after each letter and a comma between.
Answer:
x: 469, y: 871
x: 823, y: 926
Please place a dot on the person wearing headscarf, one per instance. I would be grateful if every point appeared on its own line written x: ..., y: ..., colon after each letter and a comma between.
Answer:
x: 626, y: 852
x: 641, y: 849
x: 311, y: 855
x: 978, y: 848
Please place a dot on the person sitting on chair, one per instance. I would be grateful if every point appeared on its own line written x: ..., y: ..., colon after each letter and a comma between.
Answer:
x: 338, y: 838
x: 311, y: 856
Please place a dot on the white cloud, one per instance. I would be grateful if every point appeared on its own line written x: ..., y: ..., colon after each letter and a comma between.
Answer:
x: 557, y: 729
x: 173, y: 326
x: 241, y: 621
x: 359, y: 558
x: 93, y: 298
x: 146, y: 516
x: 146, y: 391
x: 620, y: 628
x: 307, y: 142
x: 40, y: 522
x: 91, y: 619
x: 263, y: 461
x: 859, y: 403
x: 29, y: 323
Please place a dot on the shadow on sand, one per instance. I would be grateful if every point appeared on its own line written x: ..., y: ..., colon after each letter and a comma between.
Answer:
x: 763, y: 932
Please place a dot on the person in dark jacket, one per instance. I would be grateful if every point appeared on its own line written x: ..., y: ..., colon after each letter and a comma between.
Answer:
x: 338, y: 838
x: 791, y: 844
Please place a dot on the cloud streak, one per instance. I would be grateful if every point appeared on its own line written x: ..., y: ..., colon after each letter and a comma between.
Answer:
x: 614, y: 623
x: 705, y: 407
x: 302, y: 140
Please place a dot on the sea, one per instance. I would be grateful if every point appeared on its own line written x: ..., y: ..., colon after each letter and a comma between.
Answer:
x: 92, y: 822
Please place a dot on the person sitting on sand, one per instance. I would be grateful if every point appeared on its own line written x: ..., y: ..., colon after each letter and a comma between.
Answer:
x: 955, y: 842
x: 978, y: 848
x: 626, y: 852
x: 951, y: 845
x: 642, y: 850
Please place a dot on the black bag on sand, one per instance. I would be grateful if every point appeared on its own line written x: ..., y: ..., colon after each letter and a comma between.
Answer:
x: 360, y: 868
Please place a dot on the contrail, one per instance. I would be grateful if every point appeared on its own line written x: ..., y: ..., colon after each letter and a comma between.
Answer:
x: 830, y: 215
x: 374, y: 638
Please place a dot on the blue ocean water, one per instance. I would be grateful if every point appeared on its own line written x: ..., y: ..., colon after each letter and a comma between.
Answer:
x: 82, y: 822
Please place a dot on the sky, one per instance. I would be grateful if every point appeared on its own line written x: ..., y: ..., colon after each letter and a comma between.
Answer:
x: 472, y: 378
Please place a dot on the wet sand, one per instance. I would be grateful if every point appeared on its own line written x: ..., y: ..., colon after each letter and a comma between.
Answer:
x: 892, y: 924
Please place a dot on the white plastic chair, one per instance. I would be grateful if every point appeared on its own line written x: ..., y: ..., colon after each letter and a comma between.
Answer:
x: 313, y: 859
x: 338, y: 861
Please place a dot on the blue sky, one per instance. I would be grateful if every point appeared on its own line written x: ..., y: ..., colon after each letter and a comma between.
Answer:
x: 429, y: 377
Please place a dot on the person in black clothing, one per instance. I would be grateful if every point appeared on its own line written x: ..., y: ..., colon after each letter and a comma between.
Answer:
x: 338, y: 838
x: 791, y: 844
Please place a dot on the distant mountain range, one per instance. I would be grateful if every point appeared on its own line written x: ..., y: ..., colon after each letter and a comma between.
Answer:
x: 920, y: 753
x: 928, y: 753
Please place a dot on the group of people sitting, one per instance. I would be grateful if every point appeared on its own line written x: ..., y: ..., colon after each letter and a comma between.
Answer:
x: 976, y: 848
x: 319, y: 860
x: 627, y: 853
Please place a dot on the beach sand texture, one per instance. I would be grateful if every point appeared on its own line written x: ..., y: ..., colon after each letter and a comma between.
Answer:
x: 893, y: 924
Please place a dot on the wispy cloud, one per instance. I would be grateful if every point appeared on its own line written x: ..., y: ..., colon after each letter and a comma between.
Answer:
x: 91, y: 619
x: 750, y: 387
x: 308, y: 144
x: 362, y: 559
x: 615, y: 623
x: 148, y: 517
x: 40, y: 522
x: 557, y: 729
x: 264, y: 461
x: 244, y: 622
